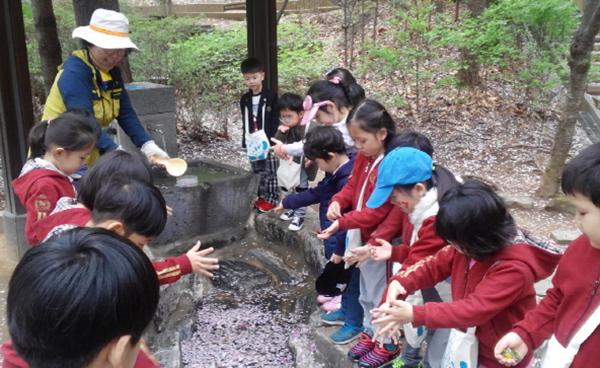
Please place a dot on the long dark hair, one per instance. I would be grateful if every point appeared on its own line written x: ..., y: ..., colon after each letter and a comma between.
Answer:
x: 474, y: 218
x: 372, y: 116
x: 354, y: 91
x: 323, y: 90
x: 73, y: 130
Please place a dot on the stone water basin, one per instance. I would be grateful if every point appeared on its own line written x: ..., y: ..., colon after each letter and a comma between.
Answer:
x: 215, y: 210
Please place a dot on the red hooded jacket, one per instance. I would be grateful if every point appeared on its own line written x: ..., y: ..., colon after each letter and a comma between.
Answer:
x: 567, y: 305
x: 39, y: 189
x: 168, y: 270
x: 491, y: 295
x: 367, y: 219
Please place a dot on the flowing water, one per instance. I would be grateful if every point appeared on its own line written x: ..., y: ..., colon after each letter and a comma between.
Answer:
x: 261, y: 298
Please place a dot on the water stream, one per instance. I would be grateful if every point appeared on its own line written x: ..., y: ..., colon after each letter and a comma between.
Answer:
x: 261, y: 298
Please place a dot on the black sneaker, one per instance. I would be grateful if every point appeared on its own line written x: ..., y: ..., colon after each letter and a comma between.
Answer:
x: 296, y: 224
x: 287, y: 215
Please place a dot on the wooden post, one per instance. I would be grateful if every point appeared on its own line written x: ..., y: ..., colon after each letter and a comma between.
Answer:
x: 16, y: 115
x: 262, y: 37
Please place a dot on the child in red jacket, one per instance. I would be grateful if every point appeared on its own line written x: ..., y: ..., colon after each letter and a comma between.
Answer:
x: 117, y: 194
x: 58, y: 149
x: 409, y: 177
x: 493, y: 266
x: 568, y: 314
x: 81, y: 300
x: 372, y: 129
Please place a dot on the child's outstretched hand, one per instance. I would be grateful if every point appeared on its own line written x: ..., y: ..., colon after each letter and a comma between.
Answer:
x: 330, y: 231
x: 383, y: 252
x: 200, y: 263
x: 279, y: 209
x: 279, y: 149
x: 395, y: 289
x: 391, y: 316
x: 334, y: 211
x: 510, y: 350
x: 336, y: 259
x: 358, y: 255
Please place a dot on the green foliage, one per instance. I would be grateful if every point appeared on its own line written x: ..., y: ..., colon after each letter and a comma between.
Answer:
x: 154, y: 37
x: 527, y: 40
x: 65, y: 22
x: 523, y: 42
x: 301, y: 56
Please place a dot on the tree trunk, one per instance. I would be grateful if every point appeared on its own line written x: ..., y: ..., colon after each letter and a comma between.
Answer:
x: 375, y: 17
x: 282, y: 10
x: 579, y: 64
x: 468, y: 74
x: 47, y: 38
x: 83, y: 12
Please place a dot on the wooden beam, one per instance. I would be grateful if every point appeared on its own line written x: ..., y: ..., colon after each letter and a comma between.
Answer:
x: 261, y: 18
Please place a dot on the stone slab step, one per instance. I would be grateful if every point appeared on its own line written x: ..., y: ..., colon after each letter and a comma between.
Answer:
x: 334, y: 355
x: 590, y: 124
x: 565, y: 236
x: 593, y: 88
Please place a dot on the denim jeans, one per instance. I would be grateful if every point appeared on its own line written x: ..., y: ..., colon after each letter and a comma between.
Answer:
x: 351, y: 307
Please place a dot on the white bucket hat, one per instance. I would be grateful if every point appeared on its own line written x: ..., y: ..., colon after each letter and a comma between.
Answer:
x: 108, y: 29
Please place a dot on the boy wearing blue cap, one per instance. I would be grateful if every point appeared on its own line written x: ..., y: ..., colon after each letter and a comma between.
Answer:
x: 414, y: 183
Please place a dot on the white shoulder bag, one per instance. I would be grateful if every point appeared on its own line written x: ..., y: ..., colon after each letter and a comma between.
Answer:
x: 558, y: 356
x: 257, y: 143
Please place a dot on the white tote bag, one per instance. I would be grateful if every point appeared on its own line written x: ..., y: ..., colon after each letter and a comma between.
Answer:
x: 353, y: 238
x: 288, y: 174
x: 414, y: 335
x: 257, y: 143
x: 462, y: 349
x: 558, y: 356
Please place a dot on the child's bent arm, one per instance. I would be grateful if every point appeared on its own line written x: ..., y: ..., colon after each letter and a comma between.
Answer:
x: 538, y: 323
x: 294, y: 149
x: 171, y: 269
x: 428, y: 243
x: 391, y: 227
x: 427, y: 272
x: 502, y: 285
x: 365, y: 218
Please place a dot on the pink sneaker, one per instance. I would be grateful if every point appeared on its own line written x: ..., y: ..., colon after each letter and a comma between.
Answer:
x: 333, y: 305
x: 321, y: 299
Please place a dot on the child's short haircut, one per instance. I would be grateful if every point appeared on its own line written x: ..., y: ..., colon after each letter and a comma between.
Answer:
x: 290, y: 101
x: 410, y: 138
x: 72, y: 295
x: 475, y: 219
x: 114, y: 163
x: 322, y: 140
x: 252, y: 65
x: 138, y: 205
x: 582, y: 174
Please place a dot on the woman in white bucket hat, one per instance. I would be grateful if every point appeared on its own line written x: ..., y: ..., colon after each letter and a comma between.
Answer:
x: 90, y: 79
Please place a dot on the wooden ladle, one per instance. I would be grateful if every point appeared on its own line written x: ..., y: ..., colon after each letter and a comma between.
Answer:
x: 174, y: 166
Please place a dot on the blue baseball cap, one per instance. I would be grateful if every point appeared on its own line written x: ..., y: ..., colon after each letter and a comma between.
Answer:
x: 402, y: 166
